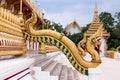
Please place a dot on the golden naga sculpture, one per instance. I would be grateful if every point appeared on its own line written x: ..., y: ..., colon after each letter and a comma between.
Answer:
x: 81, y: 45
x: 94, y: 41
x: 66, y: 45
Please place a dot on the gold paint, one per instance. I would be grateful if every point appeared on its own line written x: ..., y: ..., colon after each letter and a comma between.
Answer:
x: 39, y: 39
x: 61, y: 47
x: 52, y: 41
x: 57, y: 44
x: 35, y: 38
x: 42, y: 49
x: 75, y: 53
x: 11, y: 24
x: 83, y: 71
x: 70, y: 57
x: 73, y: 62
x: 96, y: 24
x: 34, y: 10
x: 64, y: 50
x: 48, y: 40
x: 79, y: 69
x: 11, y: 38
x: 82, y: 43
x: 67, y: 54
x: 10, y: 53
x: 21, y: 13
x: 43, y: 39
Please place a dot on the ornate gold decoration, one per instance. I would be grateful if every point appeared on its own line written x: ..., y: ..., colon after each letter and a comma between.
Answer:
x: 42, y: 49
x: 95, y: 24
x: 11, y: 24
x: 81, y: 45
x: 11, y: 35
x: 67, y: 46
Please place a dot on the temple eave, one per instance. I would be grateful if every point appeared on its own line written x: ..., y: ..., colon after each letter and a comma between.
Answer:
x: 31, y: 6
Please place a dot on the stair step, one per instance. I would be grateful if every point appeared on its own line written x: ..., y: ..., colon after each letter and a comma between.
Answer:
x: 51, y: 66
x: 70, y: 74
x: 42, y: 75
x: 33, y: 53
x: 57, y: 70
x: 27, y: 77
x: 46, y: 62
x: 63, y: 74
x: 76, y: 76
x: 41, y: 59
x: 42, y: 62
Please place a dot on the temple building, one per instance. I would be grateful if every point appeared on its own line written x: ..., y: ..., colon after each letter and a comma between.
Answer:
x: 22, y: 55
x: 95, y: 24
x: 19, y: 57
x: 73, y: 28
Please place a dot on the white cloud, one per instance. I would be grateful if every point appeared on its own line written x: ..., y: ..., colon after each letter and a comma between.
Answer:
x: 66, y: 17
x: 64, y: 11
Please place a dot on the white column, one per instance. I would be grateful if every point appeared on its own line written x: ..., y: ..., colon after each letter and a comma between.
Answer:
x: 102, y: 47
x: 117, y: 55
x: 94, y: 73
x: 31, y: 46
x: 37, y: 46
x: 27, y: 42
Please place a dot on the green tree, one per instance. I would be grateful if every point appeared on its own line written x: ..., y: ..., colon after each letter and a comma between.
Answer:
x: 114, y: 40
x: 76, y: 37
x: 57, y: 27
x: 117, y: 21
x: 85, y: 28
x: 107, y: 20
x: 52, y: 25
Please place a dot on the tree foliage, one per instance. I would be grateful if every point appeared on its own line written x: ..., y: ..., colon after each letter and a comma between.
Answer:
x: 117, y: 16
x: 85, y: 28
x: 117, y: 21
x: 107, y: 20
x: 52, y: 25
x: 75, y: 37
x: 114, y: 40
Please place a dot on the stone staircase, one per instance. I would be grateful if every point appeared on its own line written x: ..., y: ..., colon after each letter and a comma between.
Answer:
x: 46, y: 68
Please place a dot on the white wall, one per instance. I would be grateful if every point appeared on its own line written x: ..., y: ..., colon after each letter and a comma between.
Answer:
x: 73, y: 30
x: 102, y: 47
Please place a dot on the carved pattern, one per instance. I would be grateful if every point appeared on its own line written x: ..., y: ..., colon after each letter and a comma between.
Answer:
x: 64, y: 44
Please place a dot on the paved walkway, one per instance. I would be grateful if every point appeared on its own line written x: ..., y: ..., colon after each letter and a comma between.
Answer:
x: 110, y: 69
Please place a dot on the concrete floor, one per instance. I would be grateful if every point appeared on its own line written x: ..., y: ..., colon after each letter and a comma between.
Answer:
x: 110, y: 69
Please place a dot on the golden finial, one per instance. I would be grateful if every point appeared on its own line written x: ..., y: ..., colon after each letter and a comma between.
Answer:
x: 74, y: 19
x: 96, y: 18
x: 96, y: 9
x: 20, y: 13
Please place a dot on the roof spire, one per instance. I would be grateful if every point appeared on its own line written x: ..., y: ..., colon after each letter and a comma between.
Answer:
x: 95, y: 18
x: 96, y: 9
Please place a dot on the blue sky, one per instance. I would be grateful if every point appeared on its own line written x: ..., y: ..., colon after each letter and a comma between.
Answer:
x: 65, y: 11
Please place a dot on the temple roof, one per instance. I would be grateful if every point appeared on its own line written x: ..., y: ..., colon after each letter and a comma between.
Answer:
x: 95, y: 24
x: 27, y: 8
x: 72, y: 24
x: 32, y: 7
